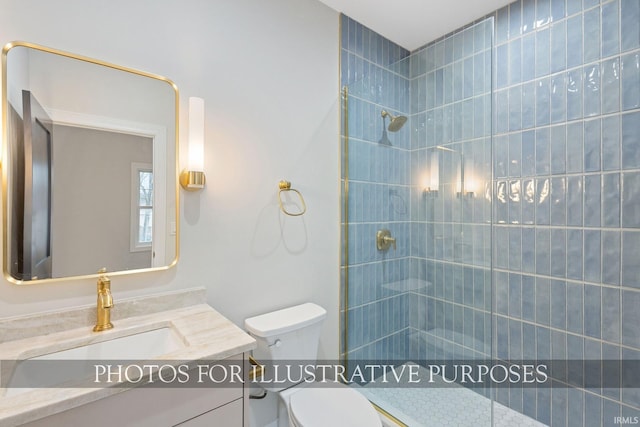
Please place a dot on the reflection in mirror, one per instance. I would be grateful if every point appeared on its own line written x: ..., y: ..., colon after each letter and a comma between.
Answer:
x: 90, y: 164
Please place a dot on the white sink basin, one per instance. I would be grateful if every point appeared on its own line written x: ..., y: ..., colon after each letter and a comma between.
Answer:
x: 79, y: 363
x: 141, y: 346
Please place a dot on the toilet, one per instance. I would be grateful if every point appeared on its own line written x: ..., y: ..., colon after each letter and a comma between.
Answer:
x: 292, y: 334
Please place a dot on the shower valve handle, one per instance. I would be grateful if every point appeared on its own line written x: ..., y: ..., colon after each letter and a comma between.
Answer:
x: 384, y: 240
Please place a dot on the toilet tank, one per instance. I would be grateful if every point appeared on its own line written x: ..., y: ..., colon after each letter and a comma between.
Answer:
x: 289, y: 334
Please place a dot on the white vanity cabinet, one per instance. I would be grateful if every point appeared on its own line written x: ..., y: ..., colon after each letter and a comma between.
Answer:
x: 214, y: 405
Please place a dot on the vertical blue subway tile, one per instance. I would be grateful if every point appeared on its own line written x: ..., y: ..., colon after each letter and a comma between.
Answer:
x: 469, y: 37
x: 558, y: 47
x: 592, y: 143
x: 574, y: 201
x: 610, y: 71
x: 631, y: 200
x: 574, y: 41
x: 528, y: 57
x: 558, y: 202
x: 574, y: 147
x: 592, y: 197
x: 610, y: 28
x: 610, y: 411
x: 630, y: 318
x: 611, y: 314
x: 587, y: 4
x: 515, y: 249
x: 558, y: 144
x: 558, y: 253
x: 542, y: 151
x: 611, y: 143
x: 528, y: 105
x: 543, y: 301
x: 559, y: 404
x: 559, y: 304
x: 573, y: 7
x: 630, y: 144
x: 515, y: 108
x: 502, y: 111
x: 439, y: 93
x: 515, y: 156
x: 557, y: 9
x: 542, y: 52
x: 630, y: 66
x: 631, y: 375
x: 575, y: 305
x: 542, y: 201
x: 502, y: 25
x: 528, y: 16
x: 591, y: 33
x: 592, y: 90
x: 575, y: 408
x: 543, y: 249
x: 528, y: 153
x: 629, y: 26
x: 543, y: 13
x: 528, y: 250
x: 592, y: 256
x: 528, y: 299
x: 558, y: 99
x: 515, y: 339
x: 543, y: 342
x: 468, y: 77
x: 611, y: 265
x: 515, y: 295
x: 574, y: 94
x: 574, y: 254
x: 611, y: 202
x: 479, y: 79
x: 543, y: 102
x: 502, y: 66
x: 515, y: 61
x: 592, y: 407
x: 515, y: 19
x: 592, y: 310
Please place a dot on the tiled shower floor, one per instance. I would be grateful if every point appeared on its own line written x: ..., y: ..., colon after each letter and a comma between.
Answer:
x: 454, y: 406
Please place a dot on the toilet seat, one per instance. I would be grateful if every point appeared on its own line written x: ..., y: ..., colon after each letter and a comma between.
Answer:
x: 336, y: 406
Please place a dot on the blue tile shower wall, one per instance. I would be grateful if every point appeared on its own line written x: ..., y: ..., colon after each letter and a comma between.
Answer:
x: 377, y: 77
x: 566, y: 198
x: 562, y: 209
x: 450, y: 309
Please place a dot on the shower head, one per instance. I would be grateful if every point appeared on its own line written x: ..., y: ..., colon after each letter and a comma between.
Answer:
x: 396, y: 121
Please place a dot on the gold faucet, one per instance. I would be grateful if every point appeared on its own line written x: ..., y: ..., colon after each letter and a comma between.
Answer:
x: 105, y: 302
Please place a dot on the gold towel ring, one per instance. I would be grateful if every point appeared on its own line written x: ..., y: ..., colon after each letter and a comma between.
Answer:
x: 286, y: 186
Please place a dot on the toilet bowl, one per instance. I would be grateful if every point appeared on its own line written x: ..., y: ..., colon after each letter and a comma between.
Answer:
x: 293, y: 334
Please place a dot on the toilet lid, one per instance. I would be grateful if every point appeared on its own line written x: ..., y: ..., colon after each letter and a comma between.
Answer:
x: 332, y: 406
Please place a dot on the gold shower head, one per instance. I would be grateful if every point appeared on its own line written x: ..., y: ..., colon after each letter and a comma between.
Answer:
x: 396, y: 122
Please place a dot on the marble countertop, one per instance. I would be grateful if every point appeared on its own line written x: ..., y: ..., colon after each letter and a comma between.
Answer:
x: 205, y: 333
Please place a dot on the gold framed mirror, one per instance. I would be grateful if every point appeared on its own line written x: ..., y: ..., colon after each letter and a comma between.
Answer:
x: 89, y: 167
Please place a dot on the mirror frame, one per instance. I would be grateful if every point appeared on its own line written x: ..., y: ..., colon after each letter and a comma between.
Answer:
x: 5, y: 152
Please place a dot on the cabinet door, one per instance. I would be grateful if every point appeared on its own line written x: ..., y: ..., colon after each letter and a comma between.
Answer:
x: 229, y: 415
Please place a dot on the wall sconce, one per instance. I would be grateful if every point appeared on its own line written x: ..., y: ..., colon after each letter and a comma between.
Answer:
x: 431, y: 181
x: 192, y: 178
x: 465, y: 184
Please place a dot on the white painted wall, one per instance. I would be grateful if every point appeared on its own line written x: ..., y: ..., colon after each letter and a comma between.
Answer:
x: 268, y: 71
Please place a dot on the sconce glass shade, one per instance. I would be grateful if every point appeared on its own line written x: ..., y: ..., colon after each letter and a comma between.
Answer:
x: 193, y: 178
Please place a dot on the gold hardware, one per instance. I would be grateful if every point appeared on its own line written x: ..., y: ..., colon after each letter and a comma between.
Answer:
x: 286, y: 186
x: 192, y: 180
x: 384, y: 240
x: 257, y: 370
x: 105, y: 302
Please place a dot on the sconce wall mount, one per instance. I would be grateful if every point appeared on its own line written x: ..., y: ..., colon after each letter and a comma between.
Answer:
x: 192, y: 178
